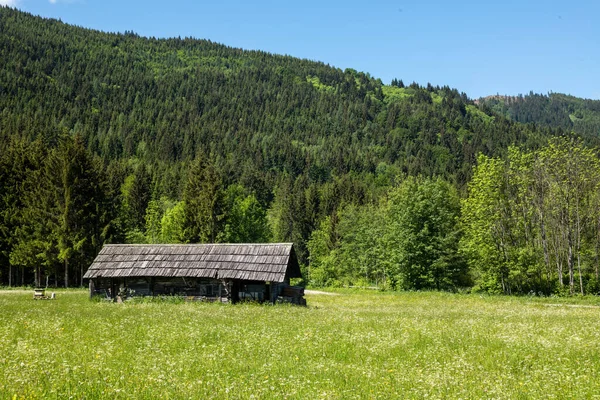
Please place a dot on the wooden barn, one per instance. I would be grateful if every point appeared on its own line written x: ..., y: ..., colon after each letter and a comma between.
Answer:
x: 213, y: 272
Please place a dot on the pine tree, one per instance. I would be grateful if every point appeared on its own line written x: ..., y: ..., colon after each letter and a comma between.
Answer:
x: 136, y: 196
x: 63, y: 213
x: 204, y: 201
x: 20, y: 161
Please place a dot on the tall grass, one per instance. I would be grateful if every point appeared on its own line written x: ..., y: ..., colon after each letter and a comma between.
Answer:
x: 354, y: 345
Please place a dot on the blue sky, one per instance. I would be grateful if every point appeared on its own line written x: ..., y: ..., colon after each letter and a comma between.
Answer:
x: 479, y: 47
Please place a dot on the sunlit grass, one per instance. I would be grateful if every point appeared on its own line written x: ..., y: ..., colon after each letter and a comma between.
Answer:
x: 353, y: 345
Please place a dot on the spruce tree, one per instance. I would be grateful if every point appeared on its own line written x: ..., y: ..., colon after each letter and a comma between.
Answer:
x: 204, y: 203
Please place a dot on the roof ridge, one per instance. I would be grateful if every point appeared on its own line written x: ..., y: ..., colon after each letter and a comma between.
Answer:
x: 251, y: 261
x: 198, y: 244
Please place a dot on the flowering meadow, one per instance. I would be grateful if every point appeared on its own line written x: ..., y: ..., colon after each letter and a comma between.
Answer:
x: 352, y: 345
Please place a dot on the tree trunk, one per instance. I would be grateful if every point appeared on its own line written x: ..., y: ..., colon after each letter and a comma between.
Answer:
x: 570, y: 263
x: 66, y: 273
x: 558, y: 253
x: 597, y: 250
x: 578, y: 248
x: 559, y: 271
x: 596, y: 258
x: 546, y: 251
x: 580, y: 276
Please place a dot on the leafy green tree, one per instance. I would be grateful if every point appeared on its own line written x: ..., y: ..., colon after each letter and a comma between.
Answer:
x: 409, y: 240
x: 424, y: 236
x: 486, y: 235
x: 573, y: 178
x: 532, y: 211
x: 173, y: 224
x: 362, y: 249
x: 246, y: 219
x: 155, y: 213
x: 347, y: 249
x: 324, y: 270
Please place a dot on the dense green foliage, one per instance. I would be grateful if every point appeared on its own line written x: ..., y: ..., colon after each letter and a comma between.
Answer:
x: 409, y: 240
x: 55, y: 208
x: 557, y: 110
x: 119, y: 138
x: 351, y: 346
x: 532, y: 222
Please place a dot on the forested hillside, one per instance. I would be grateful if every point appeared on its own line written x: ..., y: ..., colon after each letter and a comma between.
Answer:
x: 554, y: 109
x: 119, y: 138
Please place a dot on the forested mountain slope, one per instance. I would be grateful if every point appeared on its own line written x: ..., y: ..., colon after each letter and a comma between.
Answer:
x: 554, y: 109
x: 162, y: 100
x: 184, y: 140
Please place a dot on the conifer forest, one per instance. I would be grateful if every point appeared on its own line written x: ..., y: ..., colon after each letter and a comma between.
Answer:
x: 118, y: 138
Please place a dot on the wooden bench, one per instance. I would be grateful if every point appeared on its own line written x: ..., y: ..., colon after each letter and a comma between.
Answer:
x: 40, y: 294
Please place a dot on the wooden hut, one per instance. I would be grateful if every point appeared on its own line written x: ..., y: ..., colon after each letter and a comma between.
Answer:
x: 217, y: 272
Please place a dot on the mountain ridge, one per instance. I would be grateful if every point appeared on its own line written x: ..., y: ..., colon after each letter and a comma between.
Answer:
x: 552, y: 109
x: 175, y: 95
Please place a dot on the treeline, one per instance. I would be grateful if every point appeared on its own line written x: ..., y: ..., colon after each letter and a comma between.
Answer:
x: 530, y: 223
x: 555, y: 110
x: 408, y: 239
x: 58, y: 206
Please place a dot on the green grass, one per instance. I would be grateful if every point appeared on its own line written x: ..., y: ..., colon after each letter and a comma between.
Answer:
x: 353, y: 345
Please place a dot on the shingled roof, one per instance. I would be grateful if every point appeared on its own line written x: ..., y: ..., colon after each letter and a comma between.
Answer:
x: 259, y: 262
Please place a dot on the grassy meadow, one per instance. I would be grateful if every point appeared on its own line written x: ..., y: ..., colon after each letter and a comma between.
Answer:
x: 351, y: 345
